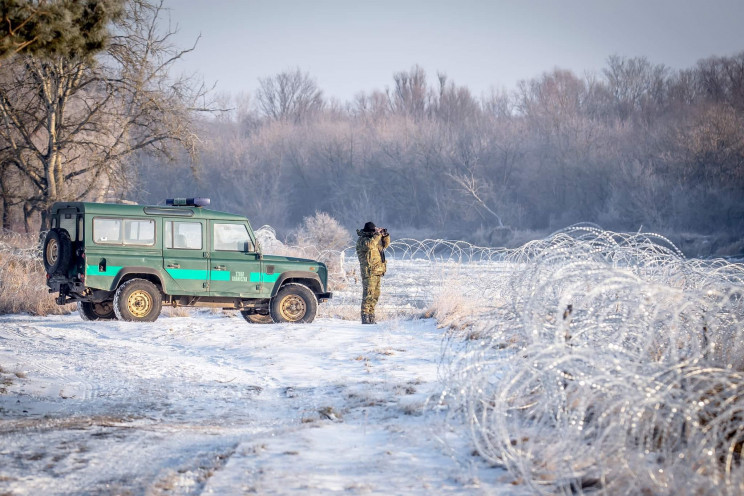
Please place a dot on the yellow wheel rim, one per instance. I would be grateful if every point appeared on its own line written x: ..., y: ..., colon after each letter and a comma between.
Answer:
x: 52, y: 251
x: 292, y: 308
x: 139, y: 303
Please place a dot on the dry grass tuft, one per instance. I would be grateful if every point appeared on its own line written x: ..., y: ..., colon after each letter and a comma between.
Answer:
x: 22, y: 277
x: 453, y: 310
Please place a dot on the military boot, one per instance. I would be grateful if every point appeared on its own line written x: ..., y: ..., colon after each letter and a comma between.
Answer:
x: 368, y: 318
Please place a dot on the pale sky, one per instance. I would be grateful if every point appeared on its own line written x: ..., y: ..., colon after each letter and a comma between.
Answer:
x: 350, y: 46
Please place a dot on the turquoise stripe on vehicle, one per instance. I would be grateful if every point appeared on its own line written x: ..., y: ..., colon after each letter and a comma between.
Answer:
x: 181, y: 274
x: 111, y: 270
x: 221, y: 275
x: 188, y: 274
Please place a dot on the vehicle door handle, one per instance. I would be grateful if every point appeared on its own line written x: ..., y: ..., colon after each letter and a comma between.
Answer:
x: 219, y: 267
x: 173, y: 266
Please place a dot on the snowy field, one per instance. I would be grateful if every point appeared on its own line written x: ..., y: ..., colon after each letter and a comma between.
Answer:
x: 210, y: 404
x: 587, y: 362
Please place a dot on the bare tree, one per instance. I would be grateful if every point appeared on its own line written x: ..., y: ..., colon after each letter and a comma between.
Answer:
x: 71, y: 126
x: 635, y: 83
x: 409, y: 97
x: 707, y: 149
x: 474, y: 188
x: 454, y: 104
x: 372, y: 107
x: 722, y: 79
x: 289, y: 96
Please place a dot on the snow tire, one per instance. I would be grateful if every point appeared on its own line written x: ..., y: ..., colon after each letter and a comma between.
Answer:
x: 294, y: 303
x: 90, y: 311
x: 138, y: 300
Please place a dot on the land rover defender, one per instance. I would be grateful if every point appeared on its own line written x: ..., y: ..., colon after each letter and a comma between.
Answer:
x: 126, y: 261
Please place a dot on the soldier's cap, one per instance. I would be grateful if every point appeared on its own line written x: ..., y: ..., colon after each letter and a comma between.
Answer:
x: 369, y: 227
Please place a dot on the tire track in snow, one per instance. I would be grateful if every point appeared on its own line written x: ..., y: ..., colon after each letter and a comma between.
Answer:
x: 191, y: 392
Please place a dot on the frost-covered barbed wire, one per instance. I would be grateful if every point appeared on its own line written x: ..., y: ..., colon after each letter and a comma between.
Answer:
x: 597, y: 361
x: 610, y: 363
x: 418, y: 271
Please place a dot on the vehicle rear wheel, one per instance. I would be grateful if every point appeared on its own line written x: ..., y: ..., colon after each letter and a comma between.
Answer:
x: 96, y: 311
x: 294, y: 303
x: 138, y: 300
x: 57, y: 251
x: 257, y: 318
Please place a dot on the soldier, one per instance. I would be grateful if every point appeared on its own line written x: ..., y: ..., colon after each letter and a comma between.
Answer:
x: 370, y: 248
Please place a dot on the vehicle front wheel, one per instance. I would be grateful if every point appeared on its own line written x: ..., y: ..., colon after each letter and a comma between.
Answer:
x: 294, y: 303
x: 138, y: 300
x: 96, y: 311
x: 257, y: 318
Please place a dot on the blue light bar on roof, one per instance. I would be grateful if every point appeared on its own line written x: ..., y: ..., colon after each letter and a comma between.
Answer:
x: 188, y: 202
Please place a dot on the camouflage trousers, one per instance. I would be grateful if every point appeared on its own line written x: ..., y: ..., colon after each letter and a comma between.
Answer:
x: 370, y: 294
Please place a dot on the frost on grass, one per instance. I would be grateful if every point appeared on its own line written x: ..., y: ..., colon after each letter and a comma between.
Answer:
x: 22, y: 277
x: 589, y: 361
x: 424, y: 279
x: 606, y: 362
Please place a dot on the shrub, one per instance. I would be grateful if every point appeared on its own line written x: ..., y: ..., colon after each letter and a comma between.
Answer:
x: 322, y: 237
x: 322, y: 232
x: 22, y: 277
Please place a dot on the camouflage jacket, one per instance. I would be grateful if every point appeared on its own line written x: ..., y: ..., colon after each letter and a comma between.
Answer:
x: 369, y: 249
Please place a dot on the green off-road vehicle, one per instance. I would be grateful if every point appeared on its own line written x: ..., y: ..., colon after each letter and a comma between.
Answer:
x: 127, y: 261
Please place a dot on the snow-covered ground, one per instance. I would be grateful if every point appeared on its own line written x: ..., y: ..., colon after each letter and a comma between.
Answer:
x: 209, y: 404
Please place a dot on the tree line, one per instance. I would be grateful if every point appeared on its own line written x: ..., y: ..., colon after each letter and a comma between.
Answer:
x: 639, y: 146
x: 636, y: 146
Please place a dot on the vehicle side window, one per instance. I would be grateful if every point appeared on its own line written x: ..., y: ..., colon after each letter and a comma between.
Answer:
x: 107, y: 231
x: 139, y: 232
x: 183, y: 235
x: 113, y: 231
x: 231, y: 237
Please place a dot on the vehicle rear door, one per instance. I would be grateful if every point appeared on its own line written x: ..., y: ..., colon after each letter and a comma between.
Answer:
x: 185, y: 255
x: 235, y: 265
